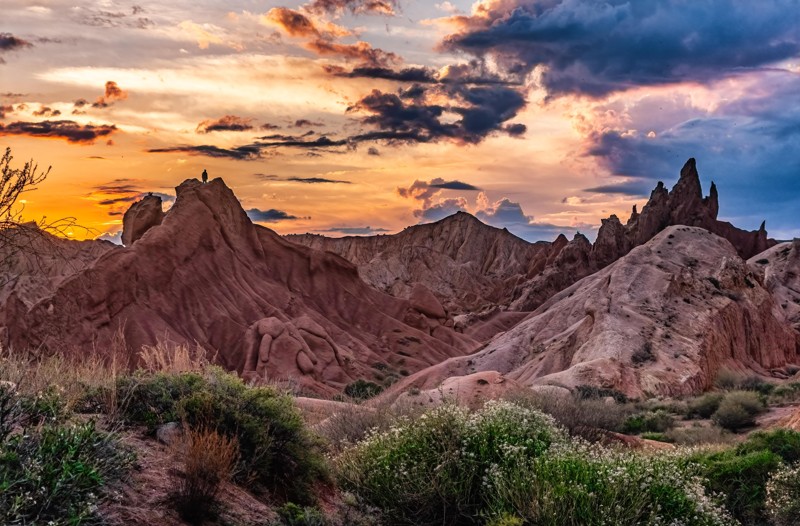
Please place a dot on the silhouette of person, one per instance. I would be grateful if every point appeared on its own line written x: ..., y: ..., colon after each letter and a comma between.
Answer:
x: 205, y: 176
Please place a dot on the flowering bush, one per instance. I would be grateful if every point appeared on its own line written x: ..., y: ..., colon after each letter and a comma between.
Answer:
x: 507, y: 463
x: 436, y: 469
x: 783, y: 495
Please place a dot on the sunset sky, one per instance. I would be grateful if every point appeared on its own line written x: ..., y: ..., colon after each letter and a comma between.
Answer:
x: 366, y: 116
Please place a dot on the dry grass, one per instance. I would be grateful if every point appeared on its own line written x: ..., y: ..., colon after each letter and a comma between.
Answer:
x: 351, y: 423
x: 171, y: 358
x: 208, y: 460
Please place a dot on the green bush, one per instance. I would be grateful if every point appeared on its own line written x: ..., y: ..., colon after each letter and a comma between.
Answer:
x: 738, y: 410
x: 276, y: 449
x: 651, y: 422
x: 56, y: 474
x: 741, y: 474
x: 433, y: 470
x: 362, y: 389
x: 705, y: 406
x: 294, y: 515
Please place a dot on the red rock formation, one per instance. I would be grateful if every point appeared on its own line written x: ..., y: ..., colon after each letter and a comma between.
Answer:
x: 779, y: 268
x: 664, y: 319
x: 266, y: 307
x: 141, y: 217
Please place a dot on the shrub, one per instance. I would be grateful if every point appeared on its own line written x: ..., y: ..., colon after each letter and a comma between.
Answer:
x: 208, y: 460
x: 579, y: 416
x: 578, y: 484
x: 728, y: 379
x: 651, y: 422
x: 741, y: 479
x: 737, y: 410
x: 585, y: 392
x: 276, y: 449
x: 432, y: 470
x: 294, y: 515
x: 741, y: 474
x: 698, y: 435
x: 362, y: 389
x: 55, y: 474
x: 705, y: 406
x: 783, y: 496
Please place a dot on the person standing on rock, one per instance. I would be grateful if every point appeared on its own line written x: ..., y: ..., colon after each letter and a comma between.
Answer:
x: 205, y: 176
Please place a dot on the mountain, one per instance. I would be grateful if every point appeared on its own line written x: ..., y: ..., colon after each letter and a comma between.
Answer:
x: 466, y: 264
x: 474, y: 269
x: 662, y: 320
x: 205, y: 274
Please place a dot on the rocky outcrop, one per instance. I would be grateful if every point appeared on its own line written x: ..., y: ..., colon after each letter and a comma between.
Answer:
x: 141, y: 217
x: 664, y: 319
x: 263, y: 306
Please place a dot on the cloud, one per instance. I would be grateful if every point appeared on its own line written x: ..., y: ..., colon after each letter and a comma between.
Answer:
x: 240, y: 153
x: 5, y: 109
x: 482, y: 111
x: 113, y: 93
x: 425, y: 191
x: 356, y: 7
x: 9, y: 42
x: 269, y: 216
x: 294, y: 23
x: 361, y: 51
x: 373, y: 151
x: 226, y: 123
x: 102, y: 18
x: 69, y: 130
x: 441, y: 209
x: 46, y: 111
x: 315, y: 180
x: 594, y: 48
x: 118, y: 194
x: 746, y: 144
x: 304, y: 123
x: 354, y: 231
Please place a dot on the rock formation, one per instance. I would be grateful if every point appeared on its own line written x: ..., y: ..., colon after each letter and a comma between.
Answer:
x: 664, y: 319
x: 141, y: 217
x: 264, y: 306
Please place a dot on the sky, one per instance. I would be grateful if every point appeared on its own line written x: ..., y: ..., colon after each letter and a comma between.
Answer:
x: 351, y: 117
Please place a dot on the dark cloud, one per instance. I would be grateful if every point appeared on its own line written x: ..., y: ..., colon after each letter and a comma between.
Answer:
x: 80, y: 103
x: 292, y: 142
x: 101, y: 18
x: 69, y: 130
x: 453, y: 185
x: 360, y: 51
x: 634, y: 187
x: 473, y: 72
x: 594, y: 48
x: 483, y: 110
x: 226, y: 123
x: 117, y: 195
x: 269, y: 216
x: 354, y: 231
x: 373, y: 151
x: 294, y: 23
x: 268, y: 126
x: 5, y: 109
x: 316, y: 180
x: 409, y: 74
x: 46, y: 111
x: 241, y: 153
x: 9, y: 42
x: 304, y: 123
x: 113, y: 93
x: 373, y: 7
